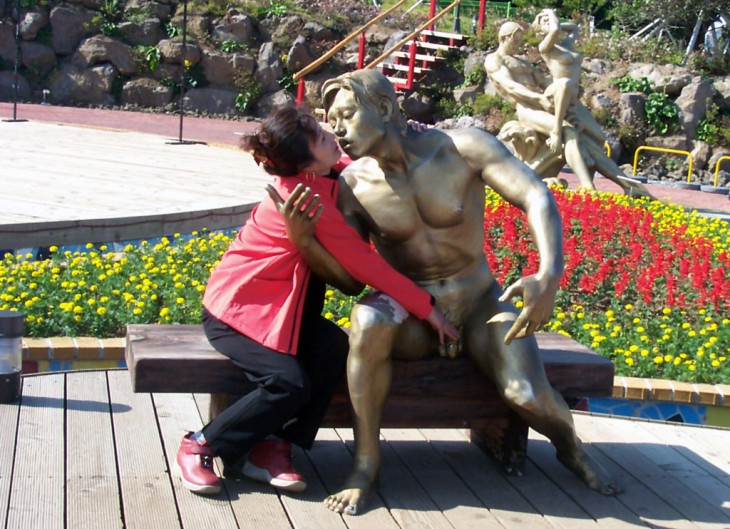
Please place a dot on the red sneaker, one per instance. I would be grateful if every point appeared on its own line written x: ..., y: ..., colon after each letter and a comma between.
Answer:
x: 195, y: 462
x: 270, y: 462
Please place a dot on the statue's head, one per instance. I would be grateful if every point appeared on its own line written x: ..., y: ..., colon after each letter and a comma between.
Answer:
x: 361, y: 106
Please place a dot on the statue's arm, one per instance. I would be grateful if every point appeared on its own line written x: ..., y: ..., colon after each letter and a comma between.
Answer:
x: 553, y: 34
x: 522, y: 187
x: 501, y: 76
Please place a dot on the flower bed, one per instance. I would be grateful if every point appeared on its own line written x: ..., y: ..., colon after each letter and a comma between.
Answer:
x: 646, y: 284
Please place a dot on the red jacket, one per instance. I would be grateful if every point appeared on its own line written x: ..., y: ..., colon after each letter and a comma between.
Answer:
x: 260, y: 284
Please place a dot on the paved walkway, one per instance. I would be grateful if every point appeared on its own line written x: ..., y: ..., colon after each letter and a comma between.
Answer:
x: 74, y: 175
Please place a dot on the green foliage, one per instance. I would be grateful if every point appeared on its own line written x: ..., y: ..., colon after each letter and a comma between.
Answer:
x: 249, y: 90
x: 149, y: 56
x: 108, y: 20
x: 477, y: 76
x: 172, y: 30
x: 706, y: 65
x: 661, y: 113
x: 714, y: 128
x: 487, y: 39
x: 286, y: 82
x: 231, y: 45
x: 273, y: 9
x: 632, y: 84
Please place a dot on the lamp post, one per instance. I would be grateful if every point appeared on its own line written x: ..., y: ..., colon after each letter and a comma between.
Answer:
x: 17, y: 64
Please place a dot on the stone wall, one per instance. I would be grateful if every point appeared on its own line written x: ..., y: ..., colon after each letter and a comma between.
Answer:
x: 100, y: 53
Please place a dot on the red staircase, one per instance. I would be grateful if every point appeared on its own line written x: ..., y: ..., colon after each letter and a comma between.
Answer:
x: 417, y: 58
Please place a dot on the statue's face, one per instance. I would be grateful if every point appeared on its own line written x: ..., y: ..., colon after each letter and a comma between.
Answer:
x: 514, y: 42
x: 358, y: 127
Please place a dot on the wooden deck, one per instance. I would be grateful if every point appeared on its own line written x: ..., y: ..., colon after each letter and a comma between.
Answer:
x: 82, y: 451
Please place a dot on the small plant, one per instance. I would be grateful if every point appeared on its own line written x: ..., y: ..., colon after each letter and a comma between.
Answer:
x: 249, y: 91
x: 230, y: 45
x: 172, y: 30
x: 632, y: 84
x: 477, y: 76
x: 151, y: 56
x: 661, y: 113
x: 286, y: 82
x: 275, y: 9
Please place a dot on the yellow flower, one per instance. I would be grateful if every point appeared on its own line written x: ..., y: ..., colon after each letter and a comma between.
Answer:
x: 101, y: 311
x: 53, y: 249
x: 164, y: 311
x: 180, y: 301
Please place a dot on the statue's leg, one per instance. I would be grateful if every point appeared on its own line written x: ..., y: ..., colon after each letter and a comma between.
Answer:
x: 518, y: 373
x: 564, y: 94
x: 608, y: 168
x: 375, y: 324
x: 574, y: 158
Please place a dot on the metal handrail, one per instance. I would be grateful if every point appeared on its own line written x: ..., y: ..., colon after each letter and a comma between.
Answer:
x: 324, y: 58
x: 412, y: 34
x: 717, y: 166
x: 662, y: 149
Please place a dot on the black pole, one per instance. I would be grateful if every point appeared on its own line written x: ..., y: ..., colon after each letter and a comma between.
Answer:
x: 183, y: 88
x: 457, y: 18
x: 183, y: 81
x: 17, y: 64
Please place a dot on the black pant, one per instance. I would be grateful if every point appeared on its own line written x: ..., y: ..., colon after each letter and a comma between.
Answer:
x: 289, y: 395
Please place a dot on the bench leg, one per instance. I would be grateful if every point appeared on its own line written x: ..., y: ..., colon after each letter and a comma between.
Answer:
x: 504, y: 442
x: 218, y: 403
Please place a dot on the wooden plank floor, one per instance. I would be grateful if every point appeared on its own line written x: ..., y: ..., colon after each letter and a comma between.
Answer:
x: 80, y: 450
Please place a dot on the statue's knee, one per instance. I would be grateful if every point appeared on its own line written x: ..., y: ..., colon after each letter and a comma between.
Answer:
x: 521, y: 394
x: 365, y: 318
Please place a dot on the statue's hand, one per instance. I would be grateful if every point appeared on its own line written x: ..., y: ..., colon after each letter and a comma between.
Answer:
x: 538, y: 296
x: 300, y: 211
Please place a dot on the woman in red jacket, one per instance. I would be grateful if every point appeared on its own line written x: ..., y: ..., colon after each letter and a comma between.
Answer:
x: 263, y: 305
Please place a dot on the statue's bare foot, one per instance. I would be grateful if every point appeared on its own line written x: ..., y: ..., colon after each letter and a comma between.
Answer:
x: 590, y: 473
x: 351, y: 498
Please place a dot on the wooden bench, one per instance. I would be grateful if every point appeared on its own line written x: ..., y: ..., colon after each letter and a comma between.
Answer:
x: 432, y: 393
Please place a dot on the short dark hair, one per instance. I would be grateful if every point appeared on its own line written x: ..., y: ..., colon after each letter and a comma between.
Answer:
x: 281, y: 145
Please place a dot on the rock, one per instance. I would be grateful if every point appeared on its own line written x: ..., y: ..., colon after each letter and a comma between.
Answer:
x: 419, y: 107
x: 668, y: 79
x: 273, y: 100
x: 211, y: 100
x: 270, y: 68
x: 722, y: 92
x: 597, y: 66
x: 7, y: 87
x: 172, y: 51
x: 158, y: 10
x: 718, y: 153
x: 235, y: 26
x: 287, y: 28
x: 701, y: 152
x: 463, y: 122
x: 198, y: 25
x: 631, y: 109
x: 33, y: 21
x: 222, y: 68
x: 474, y: 60
x: 467, y: 95
x: 300, y: 55
x: 37, y: 57
x: 678, y: 143
x: 69, y: 26
x: 314, y: 31
x: 7, y: 41
x: 693, y: 103
x: 146, y: 92
x: 146, y: 33
x: 101, y: 49
x: 71, y: 84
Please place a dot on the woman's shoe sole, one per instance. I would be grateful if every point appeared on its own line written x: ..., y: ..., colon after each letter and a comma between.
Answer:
x: 261, y: 474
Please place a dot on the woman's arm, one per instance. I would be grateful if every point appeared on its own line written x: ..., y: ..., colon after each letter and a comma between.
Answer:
x: 301, y: 212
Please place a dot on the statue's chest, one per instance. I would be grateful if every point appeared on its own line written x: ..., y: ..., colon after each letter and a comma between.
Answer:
x: 400, y: 206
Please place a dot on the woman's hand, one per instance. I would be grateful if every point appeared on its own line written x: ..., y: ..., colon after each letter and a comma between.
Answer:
x: 444, y: 328
x: 301, y: 211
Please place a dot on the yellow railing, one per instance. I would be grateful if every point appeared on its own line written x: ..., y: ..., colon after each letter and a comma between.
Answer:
x: 717, y: 167
x: 662, y: 149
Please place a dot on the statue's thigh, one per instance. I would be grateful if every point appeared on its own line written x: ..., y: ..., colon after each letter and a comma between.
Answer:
x: 415, y: 340
x: 484, y: 343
